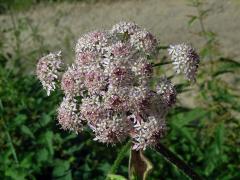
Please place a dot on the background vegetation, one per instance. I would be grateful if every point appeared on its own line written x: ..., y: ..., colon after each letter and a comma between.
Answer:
x: 205, y: 134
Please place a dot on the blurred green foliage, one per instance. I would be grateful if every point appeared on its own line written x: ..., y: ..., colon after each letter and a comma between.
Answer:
x: 34, y: 147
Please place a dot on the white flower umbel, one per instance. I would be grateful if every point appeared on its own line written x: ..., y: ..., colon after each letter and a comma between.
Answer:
x: 109, y: 87
x: 48, y: 71
x: 185, y: 60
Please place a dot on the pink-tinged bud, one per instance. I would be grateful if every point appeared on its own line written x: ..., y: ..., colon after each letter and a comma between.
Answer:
x: 47, y: 71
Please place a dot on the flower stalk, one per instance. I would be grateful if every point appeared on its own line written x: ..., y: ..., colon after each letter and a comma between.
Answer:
x: 180, y: 164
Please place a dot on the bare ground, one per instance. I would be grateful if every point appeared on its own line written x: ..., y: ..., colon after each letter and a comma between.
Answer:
x: 58, y: 23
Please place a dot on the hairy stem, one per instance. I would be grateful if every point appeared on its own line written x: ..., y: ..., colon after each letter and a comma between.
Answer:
x: 172, y: 158
x: 120, y: 157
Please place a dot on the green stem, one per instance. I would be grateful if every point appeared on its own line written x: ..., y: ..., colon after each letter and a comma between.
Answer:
x: 175, y: 160
x: 11, y: 144
x: 203, y: 30
x: 120, y: 157
x: 162, y: 47
x: 161, y: 64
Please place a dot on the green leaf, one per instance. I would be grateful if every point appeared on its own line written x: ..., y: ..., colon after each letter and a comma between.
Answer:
x: 45, y: 119
x: 19, y: 119
x: 42, y: 155
x: 15, y: 174
x: 62, y: 170
x: 222, y: 72
x: 27, y: 161
x: 25, y: 130
x: 205, y: 52
x: 1, y: 107
x: 204, y: 13
x: 183, y: 118
x: 186, y: 134
x: 192, y: 20
x: 120, y: 156
x: 115, y: 177
x: 49, y: 139
x: 219, y: 138
x: 104, y: 167
x: 74, y: 148
x: 230, y: 61
x: 226, y: 65
x: 182, y: 87
x: 139, y: 166
x: 214, y: 154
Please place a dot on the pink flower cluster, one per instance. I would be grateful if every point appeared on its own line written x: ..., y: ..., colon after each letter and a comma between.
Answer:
x: 108, y: 88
